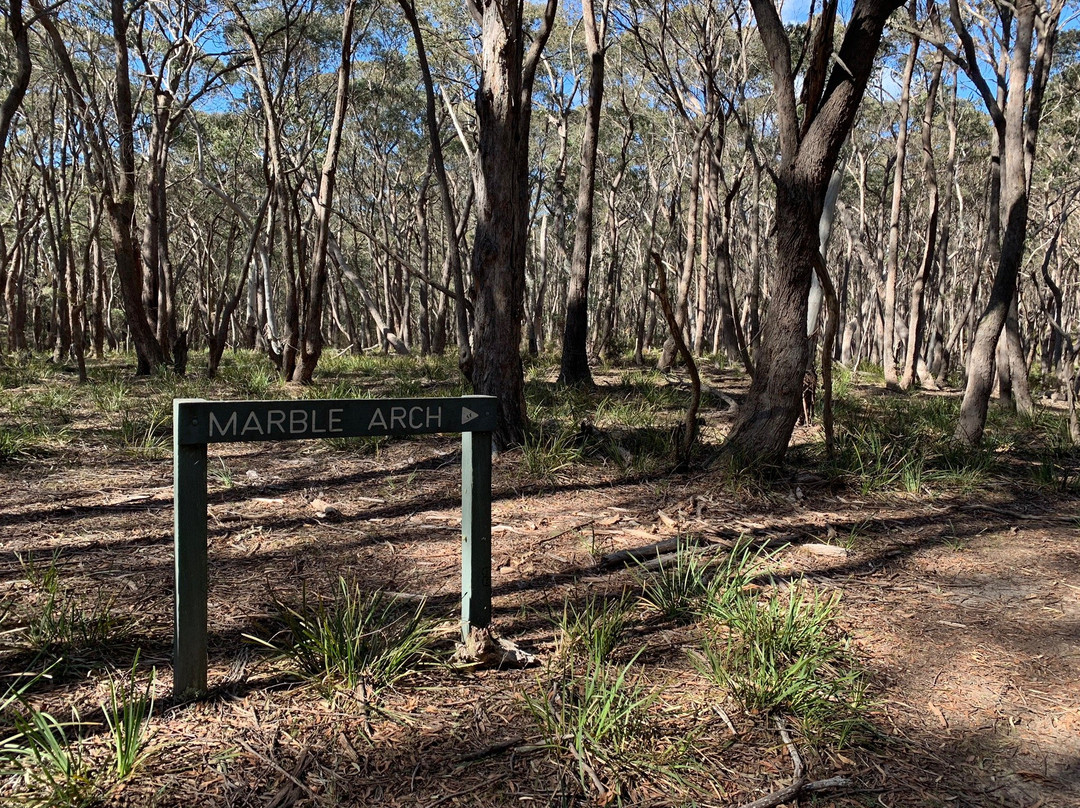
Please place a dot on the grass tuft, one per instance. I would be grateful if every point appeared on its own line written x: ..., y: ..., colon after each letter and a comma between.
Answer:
x: 352, y: 639
x: 783, y: 654
x: 679, y: 586
x: 127, y: 715
x: 595, y: 717
x: 46, y: 757
x: 594, y: 629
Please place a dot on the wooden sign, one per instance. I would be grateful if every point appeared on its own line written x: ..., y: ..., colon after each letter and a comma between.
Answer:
x: 198, y: 423
x: 234, y: 421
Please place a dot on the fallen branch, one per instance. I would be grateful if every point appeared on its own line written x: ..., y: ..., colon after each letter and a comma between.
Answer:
x: 601, y: 789
x: 796, y: 790
x: 796, y: 759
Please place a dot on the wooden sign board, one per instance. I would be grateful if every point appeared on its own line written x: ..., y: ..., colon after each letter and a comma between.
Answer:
x: 198, y: 423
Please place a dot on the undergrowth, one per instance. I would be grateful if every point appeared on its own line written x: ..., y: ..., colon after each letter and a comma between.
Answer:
x: 782, y: 653
x: 352, y: 639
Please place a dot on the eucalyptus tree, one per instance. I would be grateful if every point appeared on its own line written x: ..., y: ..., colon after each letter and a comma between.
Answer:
x: 302, y: 116
x: 810, y: 145
x: 19, y: 77
x: 114, y: 170
x: 892, y: 255
x: 174, y: 42
x: 931, y: 254
x: 1015, y: 111
x: 504, y: 114
x: 574, y: 368
x: 438, y: 161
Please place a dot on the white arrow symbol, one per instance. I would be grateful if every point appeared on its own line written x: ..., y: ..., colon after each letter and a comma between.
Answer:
x: 468, y: 415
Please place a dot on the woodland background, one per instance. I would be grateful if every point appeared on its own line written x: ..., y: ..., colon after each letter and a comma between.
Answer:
x: 284, y: 176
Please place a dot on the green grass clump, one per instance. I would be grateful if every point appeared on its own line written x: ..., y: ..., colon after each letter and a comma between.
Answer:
x: 60, y: 623
x: 110, y: 396
x: 352, y: 639
x: 595, y: 718
x: 783, y: 654
x: 14, y: 444
x: 146, y: 430
x: 127, y: 715
x: 249, y: 374
x: 902, y: 443
x: 593, y: 629
x: 678, y: 587
x: 550, y: 448
x: 31, y: 440
x: 47, y: 760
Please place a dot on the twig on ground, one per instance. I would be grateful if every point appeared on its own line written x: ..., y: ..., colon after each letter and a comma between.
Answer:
x: 493, y: 749
x: 601, y: 789
x: 796, y: 758
x: 265, y: 759
x: 727, y: 720
x: 789, y: 793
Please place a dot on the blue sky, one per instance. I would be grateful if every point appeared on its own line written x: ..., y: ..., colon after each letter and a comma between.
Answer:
x: 795, y: 10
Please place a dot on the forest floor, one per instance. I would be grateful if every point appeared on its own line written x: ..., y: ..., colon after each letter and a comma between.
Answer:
x: 961, y: 598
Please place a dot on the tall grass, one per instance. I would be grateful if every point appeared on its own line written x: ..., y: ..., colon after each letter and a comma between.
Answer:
x: 595, y: 717
x: 127, y: 715
x: 593, y: 629
x: 679, y: 585
x: 46, y: 759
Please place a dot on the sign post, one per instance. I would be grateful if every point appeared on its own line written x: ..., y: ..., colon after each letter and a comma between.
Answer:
x: 197, y: 423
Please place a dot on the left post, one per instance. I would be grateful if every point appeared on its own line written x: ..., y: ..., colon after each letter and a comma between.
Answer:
x: 189, y: 509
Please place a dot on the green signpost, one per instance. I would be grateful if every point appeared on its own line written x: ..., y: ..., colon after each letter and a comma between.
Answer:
x: 197, y: 423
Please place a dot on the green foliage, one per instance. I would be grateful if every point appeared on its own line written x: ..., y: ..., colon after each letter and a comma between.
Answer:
x: 678, y: 588
x: 31, y: 440
x: 127, y: 715
x: 549, y: 448
x: 14, y: 444
x: 47, y: 758
x: 733, y: 577
x: 250, y: 374
x: 110, y: 396
x: 783, y: 654
x: 595, y: 716
x: 62, y: 623
x: 54, y: 403
x: 594, y: 629
x: 147, y: 430
x: 353, y: 639
x: 221, y: 474
x: 902, y: 443
x: 25, y: 370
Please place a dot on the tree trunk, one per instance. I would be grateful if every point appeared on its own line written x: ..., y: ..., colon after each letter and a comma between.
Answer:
x: 682, y: 295
x: 574, y: 367
x: 503, y: 111
x: 972, y: 421
x: 808, y: 156
x: 916, y: 318
x: 453, y: 245
x: 892, y: 256
x: 311, y: 336
x: 20, y: 80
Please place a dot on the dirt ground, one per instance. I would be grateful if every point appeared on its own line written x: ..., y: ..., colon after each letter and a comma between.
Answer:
x: 965, y: 607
